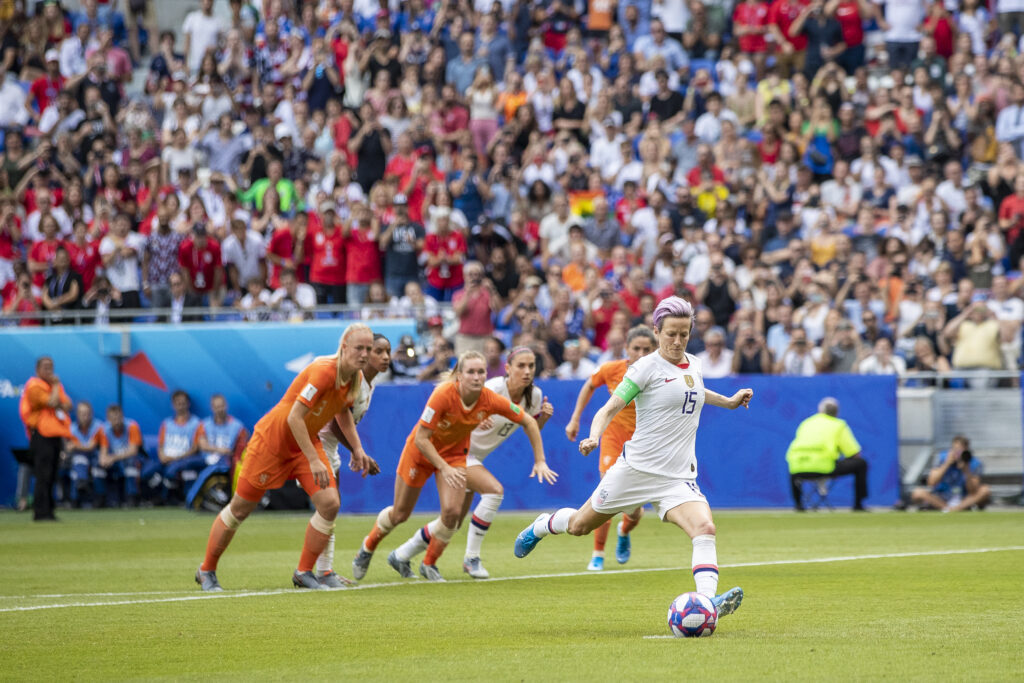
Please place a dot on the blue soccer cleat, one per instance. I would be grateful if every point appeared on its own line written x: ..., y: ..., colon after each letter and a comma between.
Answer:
x: 729, y: 601
x: 596, y: 564
x: 527, y: 540
x: 622, y: 549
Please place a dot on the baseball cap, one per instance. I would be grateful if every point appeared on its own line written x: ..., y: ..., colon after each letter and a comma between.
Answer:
x: 327, y: 205
x: 52, y: 56
x: 435, y: 321
x: 914, y: 160
x: 282, y: 130
x: 405, y: 340
x: 400, y: 200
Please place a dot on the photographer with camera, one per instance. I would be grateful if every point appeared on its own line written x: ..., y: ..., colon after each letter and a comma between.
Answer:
x: 954, y: 483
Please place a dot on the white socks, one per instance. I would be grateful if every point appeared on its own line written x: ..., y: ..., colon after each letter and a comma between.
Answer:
x: 483, y: 515
x: 705, y: 565
x: 557, y: 523
x: 325, y: 562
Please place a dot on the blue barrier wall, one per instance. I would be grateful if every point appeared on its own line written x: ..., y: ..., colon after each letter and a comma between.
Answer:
x: 741, y: 453
x: 250, y: 364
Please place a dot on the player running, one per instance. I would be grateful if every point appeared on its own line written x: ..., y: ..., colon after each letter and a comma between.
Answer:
x: 331, y: 436
x: 658, y: 465
x: 285, y: 446
x: 640, y: 341
x: 439, y: 443
x: 517, y: 386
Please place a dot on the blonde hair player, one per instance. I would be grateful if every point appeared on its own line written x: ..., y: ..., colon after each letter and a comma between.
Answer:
x: 517, y: 386
x: 658, y: 465
x: 640, y: 341
x: 439, y: 443
x: 285, y: 445
x: 331, y: 437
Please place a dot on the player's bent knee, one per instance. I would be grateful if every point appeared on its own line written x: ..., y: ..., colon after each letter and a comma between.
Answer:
x: 328, y: 509
x: 705, y: 528
x: 450, y: 518
x: 399, y: 515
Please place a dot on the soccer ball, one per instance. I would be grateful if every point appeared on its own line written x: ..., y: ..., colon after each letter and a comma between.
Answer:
x: 692, y: 615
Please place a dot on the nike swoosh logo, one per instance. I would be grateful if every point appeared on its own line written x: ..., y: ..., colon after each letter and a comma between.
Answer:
x: 673, y: 379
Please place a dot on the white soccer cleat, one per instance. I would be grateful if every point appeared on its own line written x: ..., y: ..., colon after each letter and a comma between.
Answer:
x: 473, y: 567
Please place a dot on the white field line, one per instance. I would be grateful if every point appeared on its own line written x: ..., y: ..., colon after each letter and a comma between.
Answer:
x: 179, y: 596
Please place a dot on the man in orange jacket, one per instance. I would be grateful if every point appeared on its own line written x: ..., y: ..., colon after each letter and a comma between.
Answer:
x: 44, y: 409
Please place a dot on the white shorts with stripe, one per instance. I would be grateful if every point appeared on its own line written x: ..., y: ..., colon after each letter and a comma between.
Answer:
x: 624, y: 489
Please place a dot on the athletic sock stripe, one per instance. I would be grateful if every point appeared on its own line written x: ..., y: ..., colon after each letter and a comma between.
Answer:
x: 479, y: 523
x: 425, y: 534
x: 705, y: 568
x: 551, y: 519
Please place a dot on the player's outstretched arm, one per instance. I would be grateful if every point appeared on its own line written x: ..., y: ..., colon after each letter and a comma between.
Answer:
x: 601, y: 421
x: 573, y: 428
x: 540, y: 466
x: 740, y: 398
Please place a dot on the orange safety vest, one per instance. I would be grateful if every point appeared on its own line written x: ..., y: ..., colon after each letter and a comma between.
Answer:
x: 40, y: 417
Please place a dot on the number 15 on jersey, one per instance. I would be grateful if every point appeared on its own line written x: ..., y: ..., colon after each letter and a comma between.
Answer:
x: 689, y: 402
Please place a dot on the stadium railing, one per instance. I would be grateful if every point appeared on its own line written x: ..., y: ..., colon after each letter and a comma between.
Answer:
x: 114, y: 316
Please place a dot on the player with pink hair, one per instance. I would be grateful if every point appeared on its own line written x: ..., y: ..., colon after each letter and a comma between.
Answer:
x: 659, y: 464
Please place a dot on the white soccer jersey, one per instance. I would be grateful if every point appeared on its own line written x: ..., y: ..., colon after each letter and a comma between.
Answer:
x: 359, y: 409
x: 483, y: 441
x: 667, y: 414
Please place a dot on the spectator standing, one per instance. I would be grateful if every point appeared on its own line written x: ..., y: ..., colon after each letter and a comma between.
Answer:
x: 200, y: 259
x: 474, y: 305
x: 63, y: 289
x: 44, y: 408
x: 244, y: 253
x: 328, y: 264
x: 402, y: 241
x: 902, y: 21
x: 293, y: 300
x: 160, y: 260
x: 203, y: 32
x: 120, y: 253
x: 362, y: 255
x: 444, y: 251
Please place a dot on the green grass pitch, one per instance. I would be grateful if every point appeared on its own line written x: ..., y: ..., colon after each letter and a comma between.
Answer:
x: 119, y: 603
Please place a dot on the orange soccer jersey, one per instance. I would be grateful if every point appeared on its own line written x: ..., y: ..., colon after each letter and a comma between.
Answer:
x: 620, y: 430
x: 452, y: 423
x: 272, y: 454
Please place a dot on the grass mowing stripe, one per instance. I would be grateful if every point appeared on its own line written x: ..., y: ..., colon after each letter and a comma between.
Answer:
x: 292, y: 591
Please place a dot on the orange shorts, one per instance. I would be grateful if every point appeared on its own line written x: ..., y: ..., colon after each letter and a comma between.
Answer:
x: 611, y: 449
x: 263, y: 470
x: 414, y: 469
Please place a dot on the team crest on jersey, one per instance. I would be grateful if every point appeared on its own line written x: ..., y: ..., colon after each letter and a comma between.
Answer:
x: 602, y: 496
x: 689, y: 381
x: 444, y: 424
x: 412, y: 472
x: 480, y: 415
x: 264, y: 478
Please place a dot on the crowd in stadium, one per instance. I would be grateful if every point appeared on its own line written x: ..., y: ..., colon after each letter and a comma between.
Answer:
x: 833, y: 184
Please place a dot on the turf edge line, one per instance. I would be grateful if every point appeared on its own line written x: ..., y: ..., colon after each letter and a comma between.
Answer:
x: 390, y: 584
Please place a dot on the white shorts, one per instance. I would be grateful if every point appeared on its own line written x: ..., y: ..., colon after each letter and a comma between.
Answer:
x: 330, y: 443
x: 472, y: 460
x: 624, y: 489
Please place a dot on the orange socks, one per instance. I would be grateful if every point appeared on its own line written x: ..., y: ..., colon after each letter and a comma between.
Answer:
x: 601, y: 536
x: 220, y: 537
x: 628, y: 524
x: 315, y: 543
x: 434, y: 550
x: 373, y: 540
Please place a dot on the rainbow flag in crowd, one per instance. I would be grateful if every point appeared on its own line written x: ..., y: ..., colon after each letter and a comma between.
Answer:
x: 581, y: 202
